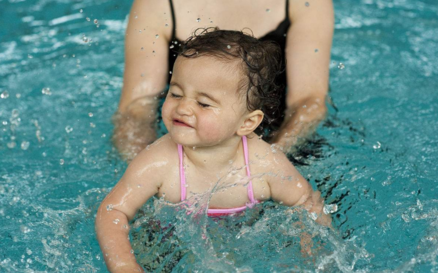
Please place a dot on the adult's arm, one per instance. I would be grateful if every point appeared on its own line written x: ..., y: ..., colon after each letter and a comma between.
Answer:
x: 146, y: 71
x: 309, y: 42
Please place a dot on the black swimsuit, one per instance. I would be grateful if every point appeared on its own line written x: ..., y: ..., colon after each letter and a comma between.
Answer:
x: 278, y: 35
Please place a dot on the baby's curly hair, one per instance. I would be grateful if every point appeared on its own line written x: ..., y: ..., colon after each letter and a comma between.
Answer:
x: 261, y: 63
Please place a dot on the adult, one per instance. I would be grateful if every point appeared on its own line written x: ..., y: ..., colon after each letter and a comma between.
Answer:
x: 303, y: 29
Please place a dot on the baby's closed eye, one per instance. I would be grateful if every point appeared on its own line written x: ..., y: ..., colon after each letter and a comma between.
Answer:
x: 203, y: 105
x: 173, y: 95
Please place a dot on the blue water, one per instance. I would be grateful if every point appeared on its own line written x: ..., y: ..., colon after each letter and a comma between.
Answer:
x: 375, y: 156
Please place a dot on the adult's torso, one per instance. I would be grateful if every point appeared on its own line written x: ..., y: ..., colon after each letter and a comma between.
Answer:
x: 260, y: 16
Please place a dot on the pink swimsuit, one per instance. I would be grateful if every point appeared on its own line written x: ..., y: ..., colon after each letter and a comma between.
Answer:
x: 219, y: 212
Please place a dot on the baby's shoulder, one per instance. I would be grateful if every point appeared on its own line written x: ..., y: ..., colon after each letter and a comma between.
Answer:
x: 265, y: 155
x: 162, y: 153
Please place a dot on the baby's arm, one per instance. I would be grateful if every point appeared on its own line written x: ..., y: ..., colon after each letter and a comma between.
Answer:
x: 140, y: 182
x: 290, y: 188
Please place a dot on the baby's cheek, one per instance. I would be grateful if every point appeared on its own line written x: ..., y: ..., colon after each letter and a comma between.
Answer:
x: 166, y: 112
x: 211, y: 127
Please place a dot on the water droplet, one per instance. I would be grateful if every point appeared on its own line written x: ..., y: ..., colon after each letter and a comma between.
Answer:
x: 25, y: 145
x: 90, y: 115
x: 268, y: 10
x: 4, y: 122
x: 330, y: 208
x: 92, y: 125
x: 29, y: 56
x: 25, y: 229
x: 18, y: 95
x: 341, y: 66
x: 61, y: 161
x: 198, y: 20
x: 11, y: 145
x: 68, y: 129
x: 46, y: 91
x: 28, y: 251
x: 103, y: 136
x: 4, y: 95
x: 171, y: 46
x: 81, y: 10
x: 116, y: 221
x: 156, y: 36
x: 377, y: 146
x: 273, y: 148
x: 299, y: 185
x: 96, y: 22
x: 314, y: 216
x: 307, y: 4
x: 88, y: 19
x: 228, y: 46
x: 109, y: 207
x: 85, y: 39
x: 132, y: 251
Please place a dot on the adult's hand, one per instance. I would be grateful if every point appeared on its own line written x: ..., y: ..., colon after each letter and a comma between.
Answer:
x: 136, y: 128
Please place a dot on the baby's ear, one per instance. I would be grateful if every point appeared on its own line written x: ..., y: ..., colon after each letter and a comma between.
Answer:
x: 250, y: 123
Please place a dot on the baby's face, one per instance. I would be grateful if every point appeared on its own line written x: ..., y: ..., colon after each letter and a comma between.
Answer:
x: 203, y: 106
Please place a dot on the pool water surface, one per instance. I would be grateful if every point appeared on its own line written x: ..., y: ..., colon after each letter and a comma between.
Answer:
x: 374, y: 159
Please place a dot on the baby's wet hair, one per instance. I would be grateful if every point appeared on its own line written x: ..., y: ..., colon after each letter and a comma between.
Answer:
x: 261, y: 63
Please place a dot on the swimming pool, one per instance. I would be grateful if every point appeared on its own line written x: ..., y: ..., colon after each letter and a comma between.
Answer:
x: 61, y: 65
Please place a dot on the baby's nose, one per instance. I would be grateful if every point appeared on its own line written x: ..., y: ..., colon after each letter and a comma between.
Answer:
x: 185, y: 107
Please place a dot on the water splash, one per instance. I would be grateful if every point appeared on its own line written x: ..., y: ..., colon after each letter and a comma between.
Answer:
x: 4, y: 95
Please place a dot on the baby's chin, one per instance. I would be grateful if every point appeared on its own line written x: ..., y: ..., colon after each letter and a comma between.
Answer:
x: 193, y: 141
x: 184, y: 138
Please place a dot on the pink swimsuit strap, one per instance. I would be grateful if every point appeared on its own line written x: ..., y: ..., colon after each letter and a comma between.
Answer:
x: 212, y: 212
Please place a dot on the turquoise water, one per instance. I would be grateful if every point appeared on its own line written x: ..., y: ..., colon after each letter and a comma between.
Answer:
x: 375, y: 156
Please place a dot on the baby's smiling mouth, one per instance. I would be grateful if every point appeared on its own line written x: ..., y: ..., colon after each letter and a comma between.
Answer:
x: 178, y: 122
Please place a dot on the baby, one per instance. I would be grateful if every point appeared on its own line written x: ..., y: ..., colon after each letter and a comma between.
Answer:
x: 222, y: 85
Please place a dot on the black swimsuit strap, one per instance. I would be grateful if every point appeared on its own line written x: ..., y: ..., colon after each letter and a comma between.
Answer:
x: 287, y: 9
x: 173, y: 20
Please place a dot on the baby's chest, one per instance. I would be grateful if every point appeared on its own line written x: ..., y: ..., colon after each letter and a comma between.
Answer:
x: 170, y: 188
x: 222, y: 190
